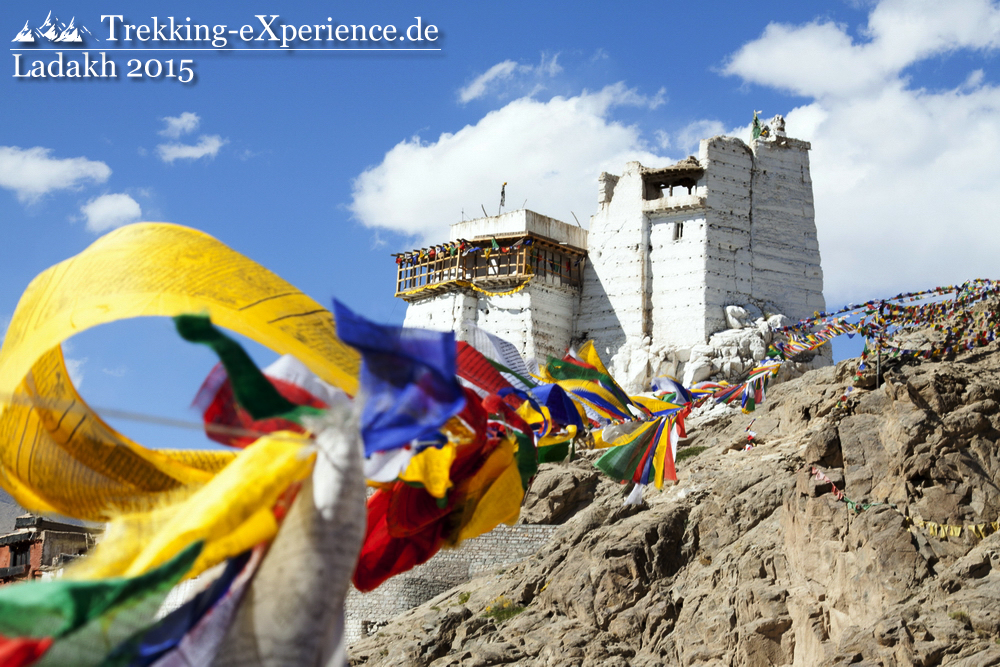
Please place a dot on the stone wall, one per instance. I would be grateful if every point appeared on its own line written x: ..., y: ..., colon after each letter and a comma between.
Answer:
x: 553, y: 311
x: 729, y: 249
x: 505, y: 545
x: 57, y: 543
x: 677, y: 267
x: 508, y: 317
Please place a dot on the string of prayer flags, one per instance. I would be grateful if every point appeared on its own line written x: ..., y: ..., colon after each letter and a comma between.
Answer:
x: 670, y: 389
x: 182, y: 511
x: 584, y: 375
x: 137, y: 270
x: 940, y: 531
x: 955, y: 323
x: 406, y: 525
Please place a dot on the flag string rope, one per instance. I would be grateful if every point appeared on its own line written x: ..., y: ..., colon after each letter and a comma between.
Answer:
x: 157, y: 420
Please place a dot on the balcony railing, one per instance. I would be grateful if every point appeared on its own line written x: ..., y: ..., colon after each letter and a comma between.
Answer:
x: 13, y: 571
x: 494, y: 265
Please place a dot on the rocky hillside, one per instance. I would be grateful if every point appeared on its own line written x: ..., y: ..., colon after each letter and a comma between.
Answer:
x: 750, y: 559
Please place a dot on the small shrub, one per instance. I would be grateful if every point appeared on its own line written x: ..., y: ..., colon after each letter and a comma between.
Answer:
x: 502, y: 610
x: 960, y: 616
x: 463, y: 597
x: 689, y: 452
x: 436, y: 608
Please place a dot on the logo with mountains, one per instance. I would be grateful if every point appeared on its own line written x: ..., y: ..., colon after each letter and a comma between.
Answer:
x: 53, y: 30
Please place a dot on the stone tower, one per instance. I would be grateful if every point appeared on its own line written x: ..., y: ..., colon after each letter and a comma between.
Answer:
x: 671, y: 248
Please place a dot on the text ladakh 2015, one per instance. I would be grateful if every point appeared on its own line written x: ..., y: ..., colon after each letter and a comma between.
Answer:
x: 265, y: 32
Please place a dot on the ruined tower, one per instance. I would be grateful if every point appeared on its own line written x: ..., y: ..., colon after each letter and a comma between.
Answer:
x: 671, y: 248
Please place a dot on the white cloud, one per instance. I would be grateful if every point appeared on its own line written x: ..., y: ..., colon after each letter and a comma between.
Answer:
x: 906, y: 179
x: 974, y: 79
x: 820, y: 58
x: 110, y: 211
x: 116, y: 372
x: 551, y: 67
x: 75, y: 369
x: 549, y: 153
x: 477, y: 87
x: 177, y: 126
x: 690, y: 136
x: 530, y: 75
x: 208, y: 146
x: 31, y: 172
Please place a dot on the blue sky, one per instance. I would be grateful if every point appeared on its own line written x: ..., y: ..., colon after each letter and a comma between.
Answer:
x: 319, y: 164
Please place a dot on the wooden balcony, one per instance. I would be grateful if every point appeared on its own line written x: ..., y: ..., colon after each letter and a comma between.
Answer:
x: 477, y: 266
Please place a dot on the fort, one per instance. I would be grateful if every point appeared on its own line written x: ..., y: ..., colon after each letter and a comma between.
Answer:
x: 683, y: 271
x: 673, y: 256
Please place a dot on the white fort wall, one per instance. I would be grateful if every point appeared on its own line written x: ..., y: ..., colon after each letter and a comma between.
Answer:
x: 786, y: 260
x: 538, y: 320
x: 677, y: 268
x: 614, y: 302
x: 762, y: 247
x: 515, y: 222
x: 444, y: 312
x: 729, y: 249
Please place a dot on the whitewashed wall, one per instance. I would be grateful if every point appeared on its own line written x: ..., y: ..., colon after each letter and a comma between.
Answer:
x: 786, y: 259
x: 444, y: 312
x: 613, y: 304
x: 729, y: 250
x: 538, y: 320
x: 521, y: 220
x: 677, y: 266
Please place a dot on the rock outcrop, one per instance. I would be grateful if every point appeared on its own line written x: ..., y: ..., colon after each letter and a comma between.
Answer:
x: 729, y: 355
x: 751, y: 559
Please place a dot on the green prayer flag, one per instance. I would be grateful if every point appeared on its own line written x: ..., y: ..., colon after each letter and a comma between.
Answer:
x: 252, y: 389
x: 59, y: 606
x: 757, y: 129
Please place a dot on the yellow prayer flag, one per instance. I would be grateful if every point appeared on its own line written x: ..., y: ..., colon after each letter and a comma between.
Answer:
x: 231, y: 513
x: 431, y: 469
